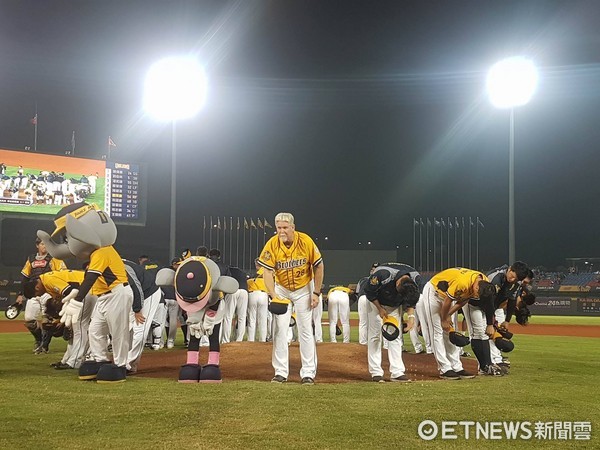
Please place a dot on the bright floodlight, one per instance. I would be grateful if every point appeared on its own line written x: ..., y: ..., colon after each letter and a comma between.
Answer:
x: 511, y: 82
x: 175, y: 89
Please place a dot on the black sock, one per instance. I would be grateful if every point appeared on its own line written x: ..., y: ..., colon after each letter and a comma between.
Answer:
x: 481, y: 349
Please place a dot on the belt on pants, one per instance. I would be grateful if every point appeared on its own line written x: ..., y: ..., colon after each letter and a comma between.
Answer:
x: 113, y: 290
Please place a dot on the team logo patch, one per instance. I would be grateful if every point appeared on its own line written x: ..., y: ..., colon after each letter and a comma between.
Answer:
x: 266, y: 256
x: 373, y: 280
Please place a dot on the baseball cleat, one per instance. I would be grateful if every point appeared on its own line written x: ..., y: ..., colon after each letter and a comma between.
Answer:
x: 308, y: 381
x: 378, y: 379
x: 278, y: 379
x: 401, y: 379
x: 464, y: 375
x: 450, y: 375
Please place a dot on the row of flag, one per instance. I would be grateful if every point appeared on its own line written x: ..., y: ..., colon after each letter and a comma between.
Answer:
x: 442, y: 222
x: 34, y: 122
x: 247, y: 225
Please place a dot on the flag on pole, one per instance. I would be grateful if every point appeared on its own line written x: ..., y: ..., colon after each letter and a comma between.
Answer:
x: 111, y: 143
x: 73, y: 143
x: 260, y: 225
x: 252, y: 224
x: 246, y: 226
x: 437, y: 222
x: 267, y: 224
x: 443, y: 223
x: 449, y: 223
x: 204, y: 222
x: 480, y: 223
x: 471, y: 222
x: 238, y: 223
x: 224, y: 223
x: 428, y: 222
x: 415, y: 222
x: 422, y: 224
x: 34, y: 120
x: 456, y: 222
x: 218, y: 223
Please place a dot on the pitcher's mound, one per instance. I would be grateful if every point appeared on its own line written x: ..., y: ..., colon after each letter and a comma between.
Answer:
x: 337, y: 363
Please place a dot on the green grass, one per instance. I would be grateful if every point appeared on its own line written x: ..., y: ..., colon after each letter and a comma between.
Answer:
x: 553, y: 379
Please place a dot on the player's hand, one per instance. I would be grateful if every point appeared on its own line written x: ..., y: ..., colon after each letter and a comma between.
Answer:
x: 382, y: 313
x: 20, y: 299
x: 489, y: 330
x: 314, y: 300
x: 67, y: 298
x: 504, y: 325
x: 447, y: 325
x: 196, y: 330
x: 70, y: 312
x: 139, y: 318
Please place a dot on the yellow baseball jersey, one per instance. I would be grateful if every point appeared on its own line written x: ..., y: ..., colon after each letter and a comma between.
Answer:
x: 35, y: 266
x: 460, y: 283
x: 340, y: 288
x: 293, y: 266
x: 56, y: 283
x: 257, y: 283
x: 108, y: 264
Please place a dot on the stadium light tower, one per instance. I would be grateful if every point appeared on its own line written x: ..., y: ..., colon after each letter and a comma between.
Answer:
x: 175, y: 89
x: 511, y: 83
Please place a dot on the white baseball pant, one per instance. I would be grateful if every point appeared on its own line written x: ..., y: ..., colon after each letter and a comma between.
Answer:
x: 446, y: 354
x: 375, y: 338
x: 339, y: 306
x: 363, y: 320
x: 111, y: 316
x: 258, y: 303
x: 79, y: 344
x: 281, y: 323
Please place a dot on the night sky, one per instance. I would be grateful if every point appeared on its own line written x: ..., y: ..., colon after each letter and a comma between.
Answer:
x: 356, y: 116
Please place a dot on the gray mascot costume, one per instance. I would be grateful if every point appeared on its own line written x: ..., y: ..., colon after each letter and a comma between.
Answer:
x: 199, y: 288
x: 86, y: 232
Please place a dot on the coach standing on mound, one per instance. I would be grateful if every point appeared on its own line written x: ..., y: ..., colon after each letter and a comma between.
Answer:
x: 291, y: 261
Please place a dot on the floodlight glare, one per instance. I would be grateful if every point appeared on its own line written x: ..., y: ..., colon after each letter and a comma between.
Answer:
x: 512, y: 82
x: 175, y: 89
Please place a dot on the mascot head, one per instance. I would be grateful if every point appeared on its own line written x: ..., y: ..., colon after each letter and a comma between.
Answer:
x: 80, y: 229
x: 198, y: 283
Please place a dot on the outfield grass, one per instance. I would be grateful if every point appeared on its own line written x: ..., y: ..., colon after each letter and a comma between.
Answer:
x: 552, y: 379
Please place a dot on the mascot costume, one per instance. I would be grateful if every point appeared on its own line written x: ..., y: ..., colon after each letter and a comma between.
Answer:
x: 199, y: 291
x: 86, y: 232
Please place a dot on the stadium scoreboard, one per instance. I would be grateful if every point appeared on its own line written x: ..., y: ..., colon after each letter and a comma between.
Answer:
x: 122, y: 193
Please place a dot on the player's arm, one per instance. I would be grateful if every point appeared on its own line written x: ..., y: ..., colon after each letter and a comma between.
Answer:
x: 88, y: 281
x: 447, y: 310
x: 269, y: 279
x: 319, y: 272
x: 25, y: 272
x: 372, y: 289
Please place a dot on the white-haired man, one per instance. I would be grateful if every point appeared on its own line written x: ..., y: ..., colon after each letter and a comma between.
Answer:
x: 291, y: 261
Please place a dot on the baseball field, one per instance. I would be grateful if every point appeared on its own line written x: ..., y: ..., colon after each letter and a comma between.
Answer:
x: 553, y: 385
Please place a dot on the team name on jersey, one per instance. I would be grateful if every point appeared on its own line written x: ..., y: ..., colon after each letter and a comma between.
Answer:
x: 290, y: 264
x: 39, y: 263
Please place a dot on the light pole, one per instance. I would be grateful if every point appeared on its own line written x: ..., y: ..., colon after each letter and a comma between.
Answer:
x: 511, y: 83
x: 175, y: 89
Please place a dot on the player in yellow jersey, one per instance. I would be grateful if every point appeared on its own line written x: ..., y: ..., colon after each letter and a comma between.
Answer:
x: 291, y: 261
x: 338, y: 305
x: 37, y: 264
x: 444, y: 294
x: 258, y: 302
x: 59, y: 284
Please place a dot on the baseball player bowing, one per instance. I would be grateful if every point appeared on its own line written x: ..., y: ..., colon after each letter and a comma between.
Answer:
x: 390, y: 287
x: 291, y: 260
x: 444, y: 294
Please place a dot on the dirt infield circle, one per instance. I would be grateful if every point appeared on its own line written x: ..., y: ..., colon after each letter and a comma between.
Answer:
x: 337, y: 363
